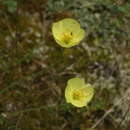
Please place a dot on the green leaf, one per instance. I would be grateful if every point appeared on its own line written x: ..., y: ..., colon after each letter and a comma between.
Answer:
x: 11, y: 5
x: 2, y: 120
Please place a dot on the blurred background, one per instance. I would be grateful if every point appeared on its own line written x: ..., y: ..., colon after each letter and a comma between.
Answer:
x: 34, y: 69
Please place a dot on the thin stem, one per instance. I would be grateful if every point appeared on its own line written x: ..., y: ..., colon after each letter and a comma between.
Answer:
x: 34, y: 109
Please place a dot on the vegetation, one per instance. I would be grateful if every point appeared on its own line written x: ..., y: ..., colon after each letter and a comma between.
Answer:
x: 34, y: 69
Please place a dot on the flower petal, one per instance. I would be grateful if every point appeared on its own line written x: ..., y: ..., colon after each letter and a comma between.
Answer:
x: 78, y: 36
x: 88, y: 92
x: 76, y: 83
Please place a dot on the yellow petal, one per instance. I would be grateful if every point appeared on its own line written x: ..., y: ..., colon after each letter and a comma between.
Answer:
x: 69, y: 24
x: 79, y: 103
x: 88, y: 92
x: 78, y: 36
x: 76, y: 83
x: 68, y: 94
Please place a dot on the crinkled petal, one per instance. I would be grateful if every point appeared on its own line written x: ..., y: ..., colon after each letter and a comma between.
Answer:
x: 76, y: 83
x: 68, y: 94
x: 88, y: 92
x: 70, y: 25
x: 61, y: 43
x: 78, y: 35
x: 57, y: 30
x: 79, y: 103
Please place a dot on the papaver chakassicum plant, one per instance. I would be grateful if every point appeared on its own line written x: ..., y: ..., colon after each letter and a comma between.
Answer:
x: 78, y: 93
x: 67, y: 32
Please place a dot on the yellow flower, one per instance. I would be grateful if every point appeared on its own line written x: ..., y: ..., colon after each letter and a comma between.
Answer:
x: 67, y: 32
x: 78, y: 93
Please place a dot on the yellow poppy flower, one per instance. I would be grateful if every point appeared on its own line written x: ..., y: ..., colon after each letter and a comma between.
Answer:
x: 78, y: 93
x: 67, y: 32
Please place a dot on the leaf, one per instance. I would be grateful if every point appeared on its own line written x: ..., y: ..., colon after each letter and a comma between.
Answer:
x: 11, y: 5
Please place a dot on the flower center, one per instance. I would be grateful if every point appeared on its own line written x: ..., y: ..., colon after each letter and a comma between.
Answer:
x: 78, y: 95
x: 67, y: 37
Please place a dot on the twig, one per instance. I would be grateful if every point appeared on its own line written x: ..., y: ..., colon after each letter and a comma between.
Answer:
x: 6, y: 88
x: 123, y: 118
x: 110, y: 110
